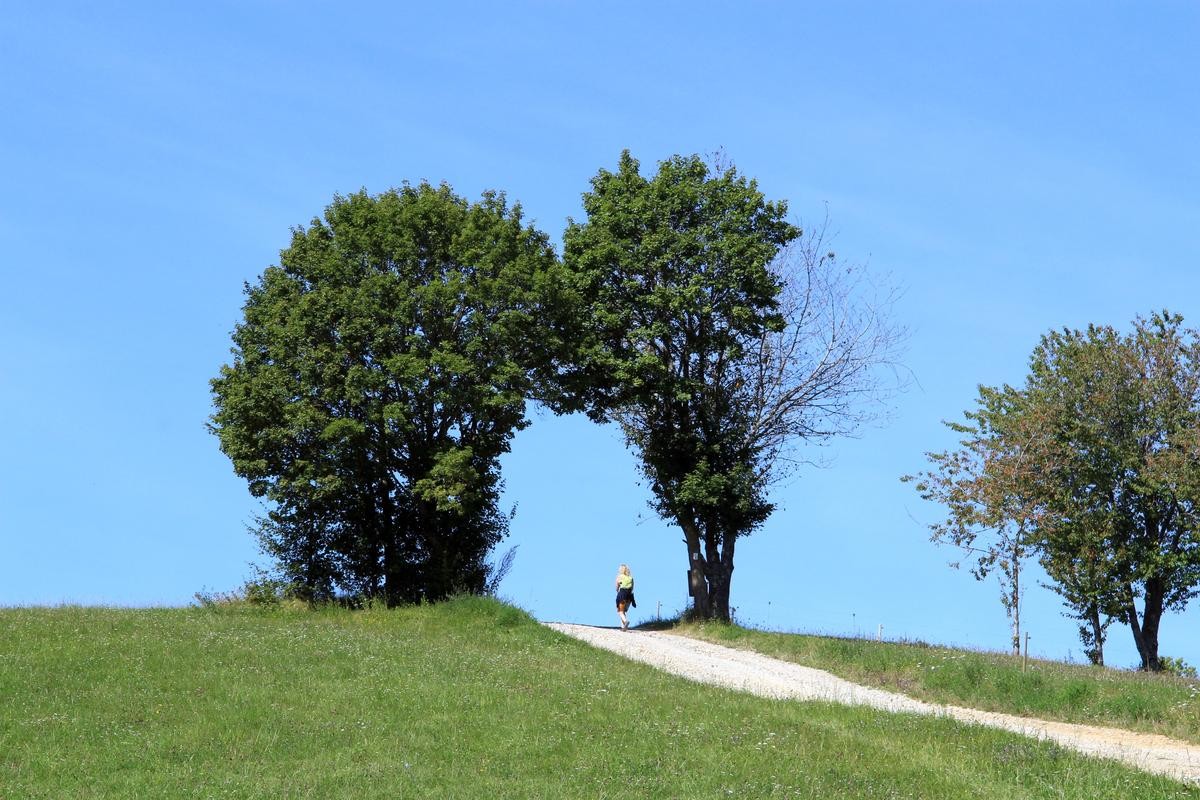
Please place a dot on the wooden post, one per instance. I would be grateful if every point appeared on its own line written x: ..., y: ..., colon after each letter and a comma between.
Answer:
x: 1025, y: 660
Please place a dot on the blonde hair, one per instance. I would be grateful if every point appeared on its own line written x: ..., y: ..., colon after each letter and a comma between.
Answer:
x: 623, y: 569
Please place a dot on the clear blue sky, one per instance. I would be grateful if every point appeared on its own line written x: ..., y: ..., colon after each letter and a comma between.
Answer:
x: 1016, y: 167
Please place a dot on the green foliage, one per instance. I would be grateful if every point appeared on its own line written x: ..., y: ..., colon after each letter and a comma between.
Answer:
x: 1177, y: 666
x: 1095, y: 463
x: 674, y: 271
x: 1121, y: 414
x: 985, y: 486
x: 464, y: 699
x: 719, y: 338
x: 379, y: 374
x: 263, y: 589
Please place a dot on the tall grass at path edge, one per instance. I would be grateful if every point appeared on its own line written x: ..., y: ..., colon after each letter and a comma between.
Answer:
x: 1139, y: 701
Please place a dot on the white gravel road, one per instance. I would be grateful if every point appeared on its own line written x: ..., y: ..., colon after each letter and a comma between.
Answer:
x: 768, y: 677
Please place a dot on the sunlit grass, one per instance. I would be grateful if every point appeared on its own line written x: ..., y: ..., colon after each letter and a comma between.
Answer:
x: 990, y: 681
x: 468, y: 699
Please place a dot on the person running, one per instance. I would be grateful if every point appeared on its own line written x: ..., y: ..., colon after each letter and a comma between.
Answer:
x: 624, y: 595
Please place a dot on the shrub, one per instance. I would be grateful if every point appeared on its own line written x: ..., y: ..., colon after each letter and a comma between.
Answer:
x: 262, y: 589
x: 1177, y: 666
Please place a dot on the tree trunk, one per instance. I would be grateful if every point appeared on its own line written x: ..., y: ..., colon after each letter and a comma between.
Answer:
x: 391, y: 576
x: 697, y: 580
x: 719, y: 581
x: 1015, y: 604
x: 701, y: 603
x: 1151, y: 618
x: 388, y: 529
x: 710, y: 570
x: 1096, y: 653
x: 1145, y: 631
x: 722, y: 579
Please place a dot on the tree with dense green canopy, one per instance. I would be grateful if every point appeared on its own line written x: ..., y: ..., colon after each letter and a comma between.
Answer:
x: 1109, y: 427
x: 378, y: 375
x: 714, y: 345
x: 1123, y: 412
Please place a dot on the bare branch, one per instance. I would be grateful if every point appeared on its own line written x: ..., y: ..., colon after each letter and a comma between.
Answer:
x: 832, y: 365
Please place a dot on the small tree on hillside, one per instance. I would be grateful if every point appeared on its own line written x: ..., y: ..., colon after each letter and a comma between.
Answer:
x: 992, y: 508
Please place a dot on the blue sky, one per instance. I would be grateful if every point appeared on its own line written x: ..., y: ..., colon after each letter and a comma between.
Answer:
x: 1015, y: 167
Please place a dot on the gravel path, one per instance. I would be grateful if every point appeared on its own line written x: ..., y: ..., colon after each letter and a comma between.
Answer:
x: 768, y: 677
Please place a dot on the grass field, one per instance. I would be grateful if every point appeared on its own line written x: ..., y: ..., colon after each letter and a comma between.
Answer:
x: 990, y: 681
x: 467, y: 699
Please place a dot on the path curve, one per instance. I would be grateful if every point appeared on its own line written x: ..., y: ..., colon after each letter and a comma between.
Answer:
x: 761, y: 675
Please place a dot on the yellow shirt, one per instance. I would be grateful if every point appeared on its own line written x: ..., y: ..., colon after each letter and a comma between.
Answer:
x: 624, y: 581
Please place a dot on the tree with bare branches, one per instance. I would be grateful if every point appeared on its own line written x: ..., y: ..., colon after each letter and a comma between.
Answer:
x: 719, y: 338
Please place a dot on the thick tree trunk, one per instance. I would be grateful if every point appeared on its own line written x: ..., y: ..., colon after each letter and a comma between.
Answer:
x: 719, y: 593
x: 721, y: 579
x: 697, y: 578
x: 1151, y: 618
x: 1145, y: 631
x: 710, y: 572
x: 392, y: 591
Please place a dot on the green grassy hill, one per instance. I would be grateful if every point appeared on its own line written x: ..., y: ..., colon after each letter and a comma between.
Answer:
x: 467, y: 699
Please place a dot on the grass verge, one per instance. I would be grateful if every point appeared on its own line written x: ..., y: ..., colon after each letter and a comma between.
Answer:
x: 466, y: 699
x: 988, y: 681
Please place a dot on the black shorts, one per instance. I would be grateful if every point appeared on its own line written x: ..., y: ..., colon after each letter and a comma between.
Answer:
x: 625, y: 597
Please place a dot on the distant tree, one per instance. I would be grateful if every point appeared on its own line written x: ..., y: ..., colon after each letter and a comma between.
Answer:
x: 987, y: 488
x: 380, y: 372
x: 713, y: 346
x: 1108, y: 432
x: 1123, y: 414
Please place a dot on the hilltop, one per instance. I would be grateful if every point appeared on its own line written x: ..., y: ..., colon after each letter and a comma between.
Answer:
x: 465, y: 699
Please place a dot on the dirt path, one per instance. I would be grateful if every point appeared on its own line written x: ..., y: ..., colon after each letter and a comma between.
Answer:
x: 768, y: 677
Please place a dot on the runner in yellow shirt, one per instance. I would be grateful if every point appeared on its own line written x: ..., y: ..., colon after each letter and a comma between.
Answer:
x: 624, y: 595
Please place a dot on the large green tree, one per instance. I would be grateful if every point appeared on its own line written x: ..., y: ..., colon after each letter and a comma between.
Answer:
x: 379, y: 373
x: 712, y: 344
x: 1123, y: 414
